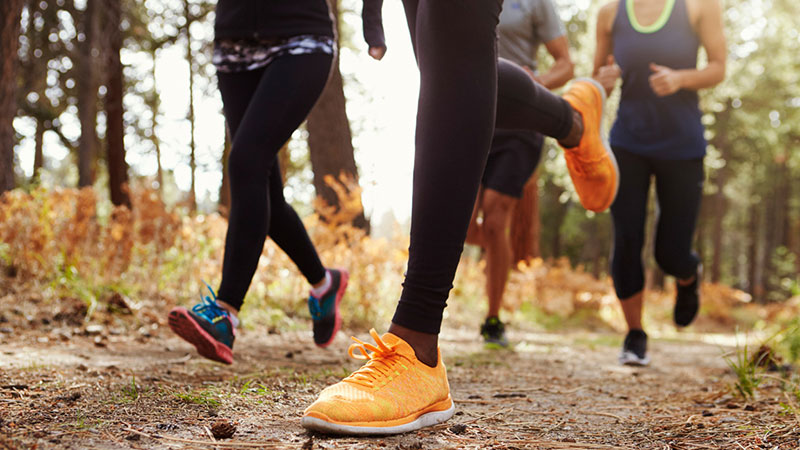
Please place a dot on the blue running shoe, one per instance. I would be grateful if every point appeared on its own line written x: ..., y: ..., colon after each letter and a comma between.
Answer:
x: 325, y: 310
x: 207, y: 326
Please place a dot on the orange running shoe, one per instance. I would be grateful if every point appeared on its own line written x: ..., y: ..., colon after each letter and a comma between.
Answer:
x: 591, y: 164
x: 392, y: 393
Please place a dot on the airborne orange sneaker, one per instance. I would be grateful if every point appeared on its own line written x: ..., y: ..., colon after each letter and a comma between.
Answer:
x: 591, y: 164
x: 392, y: 393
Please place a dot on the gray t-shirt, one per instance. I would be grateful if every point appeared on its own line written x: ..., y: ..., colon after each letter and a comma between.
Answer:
x: 524, y: 26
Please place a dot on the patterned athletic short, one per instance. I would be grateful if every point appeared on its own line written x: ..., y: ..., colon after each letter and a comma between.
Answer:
x: 241, y: 55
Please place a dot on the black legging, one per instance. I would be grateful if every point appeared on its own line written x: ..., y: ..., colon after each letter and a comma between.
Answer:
x: 263, y: 108
x: 461, y: 85
x: 679, y: 188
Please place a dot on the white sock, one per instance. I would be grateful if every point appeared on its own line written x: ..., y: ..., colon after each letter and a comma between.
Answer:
x: 234, y: 319
x: 317, y: 292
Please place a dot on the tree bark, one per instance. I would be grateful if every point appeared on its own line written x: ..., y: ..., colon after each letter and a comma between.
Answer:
x: 10, y: 13
x: 115, y: 131
x: 224, y: 205
x: 753, y: 253
x: 155, y: 103
x: 329, y: 139
x: 87, y: 99
x: 720, y: 209
x: 190, y: 114
x: 38, y: 149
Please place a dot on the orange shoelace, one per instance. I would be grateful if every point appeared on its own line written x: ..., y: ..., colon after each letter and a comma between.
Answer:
x: 382, y: 361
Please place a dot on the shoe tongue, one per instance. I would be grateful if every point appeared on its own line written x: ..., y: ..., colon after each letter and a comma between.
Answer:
x: 399, y: 344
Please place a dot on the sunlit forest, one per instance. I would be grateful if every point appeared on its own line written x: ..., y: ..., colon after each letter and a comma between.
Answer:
x: 114, y: 196
x: 84, y: 109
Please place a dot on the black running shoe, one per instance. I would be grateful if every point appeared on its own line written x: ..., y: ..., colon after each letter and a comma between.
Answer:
x: 325, y: 310
x: 494, y: 333
x: 687, y: 300
x: 634, y: 349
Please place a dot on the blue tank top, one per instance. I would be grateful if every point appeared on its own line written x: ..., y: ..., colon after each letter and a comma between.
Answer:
x: 662, y: 127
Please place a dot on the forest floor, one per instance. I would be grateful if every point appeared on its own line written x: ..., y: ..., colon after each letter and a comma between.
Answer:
x: 131, y: 384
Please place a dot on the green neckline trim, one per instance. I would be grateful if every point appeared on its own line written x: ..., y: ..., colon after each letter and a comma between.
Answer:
x: 655, y: 26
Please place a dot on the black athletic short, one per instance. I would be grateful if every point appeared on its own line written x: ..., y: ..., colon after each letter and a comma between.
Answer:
x: 512, y: 160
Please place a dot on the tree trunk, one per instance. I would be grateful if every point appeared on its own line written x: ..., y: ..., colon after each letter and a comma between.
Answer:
x: 190, y: 116
x: 38, y: 149
x: 224, y: 205
x: 154, y: 103
x: 754, y: 272
x: 720, y: 209
x: 115, y: 131
x: 560, y: 215
x: 329, y: 140
x: 87, y: 99
x: 525, y: 225
x: 10, y: 12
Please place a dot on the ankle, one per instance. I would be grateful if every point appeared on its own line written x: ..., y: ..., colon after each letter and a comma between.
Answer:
x: 320, y: 288
x: 573, y: 139
x: 232, y: 312
x: 425, y: 345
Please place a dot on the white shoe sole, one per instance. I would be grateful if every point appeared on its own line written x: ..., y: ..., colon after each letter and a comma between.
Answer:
x: 425, y: 420
x: 627, y: 358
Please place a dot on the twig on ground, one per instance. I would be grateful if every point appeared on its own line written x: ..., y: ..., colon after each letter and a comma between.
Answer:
x: 541, y: 389
x: 180, y: 360
x: 234, y: 444
x: 210, y: 435
x: 598, y: 413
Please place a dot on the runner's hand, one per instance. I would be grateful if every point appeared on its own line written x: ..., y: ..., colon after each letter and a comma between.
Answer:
x: 608, y: 75
x: 664, y: 81
x: 377, y: 52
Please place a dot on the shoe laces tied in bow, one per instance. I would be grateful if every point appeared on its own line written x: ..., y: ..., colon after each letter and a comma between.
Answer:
x: 382, y: 361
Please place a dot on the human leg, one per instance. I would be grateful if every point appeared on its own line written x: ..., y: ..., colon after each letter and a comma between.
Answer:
x: 574, y: 120
x: 497, y: 218
x: 454, y: 42
x: 512, y: 161
x: 279, y: 95
x: 328, y: 285
x: 629, y: 213
x: 474, y: 231
x: 455, y: 46
x: 287, y: 90
x: 679, y: 187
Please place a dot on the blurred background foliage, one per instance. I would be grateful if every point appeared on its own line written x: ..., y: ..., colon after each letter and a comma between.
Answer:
x: 171, y: 238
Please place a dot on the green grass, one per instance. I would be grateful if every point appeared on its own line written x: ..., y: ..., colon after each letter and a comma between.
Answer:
x: 749, y: 374
x: 130, y: 393
x: 198, y: 397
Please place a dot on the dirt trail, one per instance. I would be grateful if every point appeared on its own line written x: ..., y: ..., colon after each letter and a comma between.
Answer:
x: 555, y: 391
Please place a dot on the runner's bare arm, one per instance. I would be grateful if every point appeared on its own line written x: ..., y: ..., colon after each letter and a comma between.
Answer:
x: 562, y: 69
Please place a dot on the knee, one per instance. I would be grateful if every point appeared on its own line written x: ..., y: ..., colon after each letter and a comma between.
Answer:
x: 668, y: 259
x: 495, y: 224
x: 675, y: 261
x: 244, y: 169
